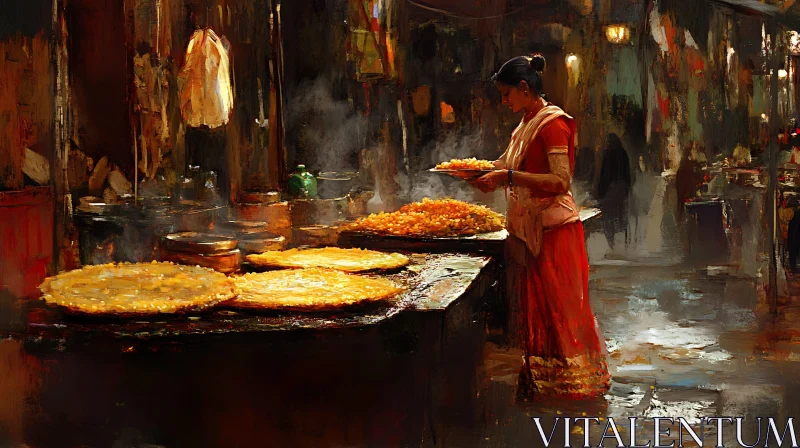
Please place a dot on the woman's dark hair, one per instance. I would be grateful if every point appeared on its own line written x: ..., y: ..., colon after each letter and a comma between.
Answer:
x: 522, y: 68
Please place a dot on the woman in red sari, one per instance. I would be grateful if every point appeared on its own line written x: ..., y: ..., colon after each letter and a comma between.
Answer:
x: 547, y: 266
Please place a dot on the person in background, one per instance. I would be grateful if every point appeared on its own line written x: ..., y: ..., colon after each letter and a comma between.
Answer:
x: 584, y: 165
x: 795, y: 155
x: 742, y: 156
x: 614, y: 188
x: 790, y: 230
x: 687, y: 178
x: 547, y: 265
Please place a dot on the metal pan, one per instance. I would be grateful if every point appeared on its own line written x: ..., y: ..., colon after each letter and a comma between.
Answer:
x: 199, y: 243
x: 262, y: 242
x: 240, y: 227
x: 462, y: 174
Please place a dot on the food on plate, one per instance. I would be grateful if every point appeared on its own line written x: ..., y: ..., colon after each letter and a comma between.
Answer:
x: 309, y: 289
x: 439, y: 217
x: 347, y: 260
x: 466, y: 164
x: 136, y: 289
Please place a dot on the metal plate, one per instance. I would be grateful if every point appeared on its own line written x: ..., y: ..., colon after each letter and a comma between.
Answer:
x: 462, y: 174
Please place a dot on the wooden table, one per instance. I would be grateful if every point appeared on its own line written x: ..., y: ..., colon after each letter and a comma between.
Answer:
x: 375, y: 378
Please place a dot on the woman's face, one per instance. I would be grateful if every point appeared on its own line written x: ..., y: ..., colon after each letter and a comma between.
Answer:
x: 514, y: 97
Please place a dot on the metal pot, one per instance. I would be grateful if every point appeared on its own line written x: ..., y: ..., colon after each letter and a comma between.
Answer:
x: 240, y: 227
x: 316, y: 235
x: 256, y: 243
x: 306, y: 212
x: 255, y: 197
x: 226, y: 262
x: 277, y: 216
x: 198, y: 243
x: 357, y: 203
x: 334, y: 184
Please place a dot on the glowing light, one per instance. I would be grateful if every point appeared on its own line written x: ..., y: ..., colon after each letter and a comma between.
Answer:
x: 794, y: 42
x: 618, y: 34
x: 571, y: 59
x: 448, y: 114
x: 782, y: 74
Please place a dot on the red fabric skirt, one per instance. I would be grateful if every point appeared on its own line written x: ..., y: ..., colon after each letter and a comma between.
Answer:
x: 564, y: 351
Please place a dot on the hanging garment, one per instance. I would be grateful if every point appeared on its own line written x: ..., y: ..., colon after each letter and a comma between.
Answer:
x: 205, y: 81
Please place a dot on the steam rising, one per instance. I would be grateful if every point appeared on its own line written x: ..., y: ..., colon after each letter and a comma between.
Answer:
x: 329, y: 133
x: 457, y: 146
x: 424, y: 184
x: 437, y: 186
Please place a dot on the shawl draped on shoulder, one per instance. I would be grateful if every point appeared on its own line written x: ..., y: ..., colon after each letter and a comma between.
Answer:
x: 529, y: 216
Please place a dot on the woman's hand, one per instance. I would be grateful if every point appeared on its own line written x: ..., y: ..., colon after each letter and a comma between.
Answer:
x: 490, y: 181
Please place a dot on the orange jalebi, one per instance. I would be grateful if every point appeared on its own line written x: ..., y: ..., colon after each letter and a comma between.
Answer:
x: 466, y: 164
x: 440, y: 217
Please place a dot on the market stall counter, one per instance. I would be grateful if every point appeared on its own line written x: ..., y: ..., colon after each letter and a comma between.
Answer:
x: 368, y: 376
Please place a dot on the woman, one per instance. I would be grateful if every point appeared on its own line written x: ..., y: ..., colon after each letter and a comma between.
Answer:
x: 548, y: 271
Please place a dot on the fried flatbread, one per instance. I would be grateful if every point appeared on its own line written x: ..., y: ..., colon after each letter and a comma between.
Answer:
x: 137, y: 289
x: 309, y: 289
x: 347, y: 260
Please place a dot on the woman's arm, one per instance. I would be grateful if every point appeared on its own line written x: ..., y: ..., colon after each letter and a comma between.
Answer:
x: 557, y: 181
x: 559, y: 178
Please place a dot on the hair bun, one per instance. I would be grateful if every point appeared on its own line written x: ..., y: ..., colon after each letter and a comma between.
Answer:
x: 538, y: 63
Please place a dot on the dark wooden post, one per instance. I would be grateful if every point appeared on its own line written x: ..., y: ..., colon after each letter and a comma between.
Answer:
x: 277, y: 150
x: 773, y: 173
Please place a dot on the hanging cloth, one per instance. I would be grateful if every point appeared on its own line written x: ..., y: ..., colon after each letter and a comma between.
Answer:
x: 205, y: 81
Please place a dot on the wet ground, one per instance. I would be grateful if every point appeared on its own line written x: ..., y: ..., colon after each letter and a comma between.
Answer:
x: 683, y: 342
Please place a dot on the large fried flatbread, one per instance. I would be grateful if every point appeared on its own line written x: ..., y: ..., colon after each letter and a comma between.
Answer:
x: 347, y: 260
x: 309, y: 289
x: 135, y: 289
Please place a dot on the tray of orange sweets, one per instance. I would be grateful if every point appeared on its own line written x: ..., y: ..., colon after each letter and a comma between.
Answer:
x: 431, y: 225
x: 470, y: 168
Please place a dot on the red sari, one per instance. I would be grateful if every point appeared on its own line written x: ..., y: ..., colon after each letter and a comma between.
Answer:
x: 564, y: 352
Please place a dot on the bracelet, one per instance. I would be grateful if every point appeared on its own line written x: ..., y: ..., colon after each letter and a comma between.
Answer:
x: 509, y: 177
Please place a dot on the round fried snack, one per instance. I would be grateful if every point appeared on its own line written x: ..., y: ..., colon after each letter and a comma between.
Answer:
x: 347, y: 260
x: 137, y: 289
x: 309, y: 289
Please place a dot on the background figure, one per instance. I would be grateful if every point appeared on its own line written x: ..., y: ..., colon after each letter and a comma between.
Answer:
x: 643, y: 190
x: 689, y: 175
x: 792, y: 235
x: 614, y: 187
x: 583, y: 179
x: 584, y: 166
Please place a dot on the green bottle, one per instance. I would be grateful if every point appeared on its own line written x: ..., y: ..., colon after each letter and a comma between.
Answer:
x: 302, y: 184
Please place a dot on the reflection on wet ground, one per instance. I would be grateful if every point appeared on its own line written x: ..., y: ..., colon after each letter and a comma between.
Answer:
x: 682, y: 342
